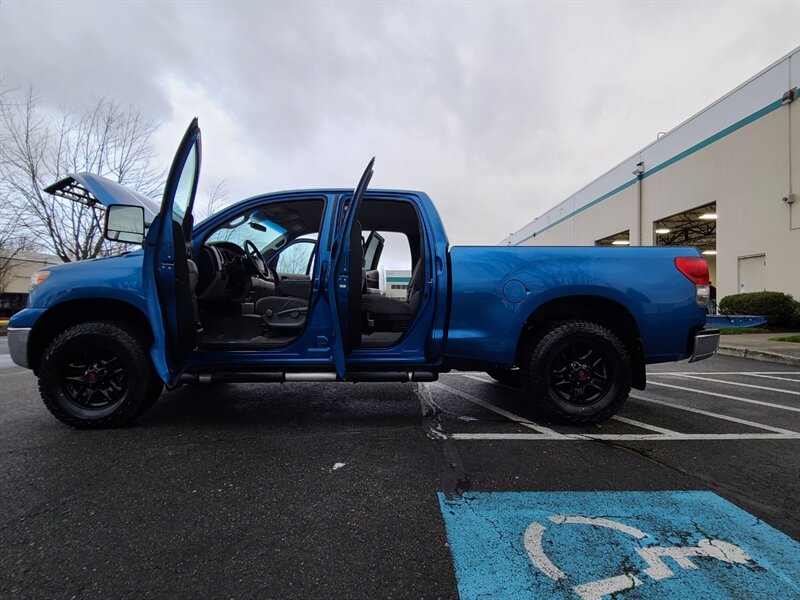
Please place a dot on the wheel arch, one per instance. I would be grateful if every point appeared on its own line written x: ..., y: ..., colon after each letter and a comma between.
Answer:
x: 73, y: 312
x: 605, y: 312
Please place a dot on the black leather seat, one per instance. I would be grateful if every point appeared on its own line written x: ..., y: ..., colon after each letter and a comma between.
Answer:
x: 379, y: 305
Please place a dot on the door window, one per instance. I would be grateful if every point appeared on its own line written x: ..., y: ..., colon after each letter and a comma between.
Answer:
x: 185, y: 189
x: 296, y: 259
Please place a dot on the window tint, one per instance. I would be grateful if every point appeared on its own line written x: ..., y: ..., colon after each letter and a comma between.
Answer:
x: 296, y: 259
x: 183, y: 193
x: 262, y: 232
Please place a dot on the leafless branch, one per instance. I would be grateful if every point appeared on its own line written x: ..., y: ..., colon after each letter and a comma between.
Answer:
x: 37, y: 148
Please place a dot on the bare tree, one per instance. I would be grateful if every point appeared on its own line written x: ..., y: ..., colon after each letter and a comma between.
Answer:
x: 294, y: 259
x: 37, y: 149
x: 215, y: 199
x: 12, y: 242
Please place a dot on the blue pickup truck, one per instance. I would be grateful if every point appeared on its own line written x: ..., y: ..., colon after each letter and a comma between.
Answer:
x: 285, y: 287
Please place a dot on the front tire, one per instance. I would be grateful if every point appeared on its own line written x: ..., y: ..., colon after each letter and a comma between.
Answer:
x: 577, y: 372
x: 96, y: 375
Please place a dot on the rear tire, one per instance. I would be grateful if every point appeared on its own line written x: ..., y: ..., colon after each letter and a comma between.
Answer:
x: 577, y: 372
x: 96, y: 375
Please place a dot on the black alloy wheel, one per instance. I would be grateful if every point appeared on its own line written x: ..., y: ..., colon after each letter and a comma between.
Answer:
x: 97, y: 374
x: 95, y: 378
x: 580, y: 373
x: 576, y: 372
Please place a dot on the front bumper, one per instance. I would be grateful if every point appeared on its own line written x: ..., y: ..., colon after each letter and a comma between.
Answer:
x: 705, y: 345
x: 18, y: 345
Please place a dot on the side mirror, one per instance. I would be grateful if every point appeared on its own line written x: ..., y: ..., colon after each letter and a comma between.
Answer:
x: 124, y: 224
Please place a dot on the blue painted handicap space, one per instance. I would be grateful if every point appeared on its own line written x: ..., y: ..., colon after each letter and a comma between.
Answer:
x: 595, y: 545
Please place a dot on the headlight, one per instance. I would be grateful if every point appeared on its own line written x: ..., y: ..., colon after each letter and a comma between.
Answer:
x: 38, y: 277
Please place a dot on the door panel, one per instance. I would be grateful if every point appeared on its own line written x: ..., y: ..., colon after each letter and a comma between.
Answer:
x: 752, y: 273
x: 169, y: 254
x: 373, y: 248
x: 344, y: 286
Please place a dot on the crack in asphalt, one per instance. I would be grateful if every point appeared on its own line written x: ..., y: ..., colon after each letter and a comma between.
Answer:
x: 734, y: 492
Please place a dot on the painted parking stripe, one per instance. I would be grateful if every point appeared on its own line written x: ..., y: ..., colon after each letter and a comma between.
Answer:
x: 664, y: 435
x: 706, y: 413
x: 726, y: 396
x: 633, y: 422
x: 764, y: 373
x: 775, y: 433
x: 687, y: 545
x: 623, y: 437
x: 498, y: 410
x: 747, y: 385
x: 765, y: 376
x: 642, y: 425
x: 486, y: 379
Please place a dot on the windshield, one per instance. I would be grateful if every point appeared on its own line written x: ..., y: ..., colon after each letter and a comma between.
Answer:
x: 252, y: 226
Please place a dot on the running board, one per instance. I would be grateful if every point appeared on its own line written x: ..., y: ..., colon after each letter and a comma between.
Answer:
x: 396, y: 376
x: 307, y: 376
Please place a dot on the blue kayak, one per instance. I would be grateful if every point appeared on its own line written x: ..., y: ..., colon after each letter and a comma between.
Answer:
x: 735, y: 320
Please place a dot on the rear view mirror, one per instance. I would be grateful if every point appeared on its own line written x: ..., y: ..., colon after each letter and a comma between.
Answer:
x: 124, y: 224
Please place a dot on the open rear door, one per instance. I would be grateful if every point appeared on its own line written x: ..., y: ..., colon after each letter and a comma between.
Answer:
x: 167, y: 260
x: 344, y: 283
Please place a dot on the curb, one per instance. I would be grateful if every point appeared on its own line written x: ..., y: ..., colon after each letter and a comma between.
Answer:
x: 760, y: 355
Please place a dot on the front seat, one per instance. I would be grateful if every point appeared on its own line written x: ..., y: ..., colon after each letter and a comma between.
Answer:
x: 384, y: 309
x: 282, y: 311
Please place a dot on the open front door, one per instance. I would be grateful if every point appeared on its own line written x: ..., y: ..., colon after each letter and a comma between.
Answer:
x: 344, y: 283
x: 169, y: 273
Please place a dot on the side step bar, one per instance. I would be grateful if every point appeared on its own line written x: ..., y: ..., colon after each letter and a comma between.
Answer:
x: 307, y: 376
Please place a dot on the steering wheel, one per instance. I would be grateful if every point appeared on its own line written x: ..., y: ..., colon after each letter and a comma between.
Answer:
x: 258, y: 262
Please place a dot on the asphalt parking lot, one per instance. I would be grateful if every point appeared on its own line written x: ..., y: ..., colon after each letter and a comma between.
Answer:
x: 311, y: 490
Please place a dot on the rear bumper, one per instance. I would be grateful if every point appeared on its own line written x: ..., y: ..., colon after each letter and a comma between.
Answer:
x: 705, y: 345
x: 18, y: 345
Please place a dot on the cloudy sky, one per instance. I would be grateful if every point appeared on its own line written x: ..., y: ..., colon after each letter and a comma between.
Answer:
x: 497, y: 110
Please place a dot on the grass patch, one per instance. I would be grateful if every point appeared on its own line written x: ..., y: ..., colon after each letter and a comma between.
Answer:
x: 786, y: 338
x: 742, y: 330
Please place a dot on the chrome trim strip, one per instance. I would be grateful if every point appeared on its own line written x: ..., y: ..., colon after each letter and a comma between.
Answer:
x: 317, y: 377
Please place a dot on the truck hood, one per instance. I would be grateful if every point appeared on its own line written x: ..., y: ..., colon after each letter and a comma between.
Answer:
x: 91, y: 190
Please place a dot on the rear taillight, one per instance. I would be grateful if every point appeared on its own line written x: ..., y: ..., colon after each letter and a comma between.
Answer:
x: 695, y: 269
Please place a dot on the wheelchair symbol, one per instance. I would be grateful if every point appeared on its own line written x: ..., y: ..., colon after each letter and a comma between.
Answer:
x: 654, y: 556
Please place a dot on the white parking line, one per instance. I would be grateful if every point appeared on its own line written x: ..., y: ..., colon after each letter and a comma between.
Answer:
x: 726, y: 396
x: 644, y: 425
x: 661, y: 434
x: 624, y: 437
x: 638, y: 424
x: 765, y: 376
x: 484, y: 379
x: 748, y: 385
x: 706, y: 413
x: 498, y: 410
x: 764, y: 373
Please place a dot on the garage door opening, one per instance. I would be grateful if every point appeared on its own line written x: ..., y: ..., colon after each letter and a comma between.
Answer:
x: 695, y: 227
x: 623, y: 238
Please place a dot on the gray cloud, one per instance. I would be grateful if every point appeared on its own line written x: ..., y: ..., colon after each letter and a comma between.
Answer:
x: 497, y: 110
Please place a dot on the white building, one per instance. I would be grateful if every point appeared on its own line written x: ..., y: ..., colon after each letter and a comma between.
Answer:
x: 395, y: 283
x: 726, y: 180
x: 16, y: 277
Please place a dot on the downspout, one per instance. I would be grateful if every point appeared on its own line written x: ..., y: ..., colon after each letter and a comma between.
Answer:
x: 639, y: 172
